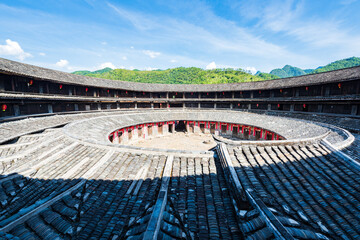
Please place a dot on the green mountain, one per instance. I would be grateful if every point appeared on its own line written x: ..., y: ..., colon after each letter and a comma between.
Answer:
x: 307, y: 71
x: 85, y: 72
x: 345, y: 63
x: 288, y: 71
x: 179, y: 75
x: 266, y: 76
x: 195, y: 75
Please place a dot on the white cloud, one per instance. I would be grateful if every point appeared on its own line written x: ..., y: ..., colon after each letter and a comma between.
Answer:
x: 210, y: 66
x: 42, y: 54
x: 134, y: 18
x: 150, y: 68
x: 62, y: 63
x: 219, y: 34
x: 124, y: 58
x: 132, y: 47
x: 103, y: 43
x: 107, y: 65
x: 12, y: 48
x: 289, y: 18
x: 252, y: 70
x: 173, y: 61
x: 151, y: 54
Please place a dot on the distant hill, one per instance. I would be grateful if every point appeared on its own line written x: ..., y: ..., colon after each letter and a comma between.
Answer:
x: 85, y: 72
x: 193, y: 75
x: 179, y: 75
x: 345, y: 63
x: 290, y: 71
x: 307, y: 71
x: 266, y: 76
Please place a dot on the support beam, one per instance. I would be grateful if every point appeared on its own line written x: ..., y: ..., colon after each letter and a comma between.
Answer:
x: 353, y: 110
x: 153, y: 228
x: 320, y: 107
x: 17, y: 110
x: 271, y: 221
x: 50, y: 108
x: 227, y: 163
x: 340, y: 154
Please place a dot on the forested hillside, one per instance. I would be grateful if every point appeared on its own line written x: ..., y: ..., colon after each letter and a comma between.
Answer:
x: 179, y: 75
x: 287, y: 71
x: 345, y: 63
x: 290, y: 71
x: 195, y: 75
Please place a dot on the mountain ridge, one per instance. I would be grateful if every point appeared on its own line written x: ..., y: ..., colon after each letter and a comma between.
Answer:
x: 193, y: 75
x: 291, y: 71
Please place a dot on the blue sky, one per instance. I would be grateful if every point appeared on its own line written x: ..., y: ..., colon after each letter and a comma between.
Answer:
x: 71, y: 35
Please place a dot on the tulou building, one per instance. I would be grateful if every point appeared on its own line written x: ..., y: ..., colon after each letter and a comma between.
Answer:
x: 87, y: 158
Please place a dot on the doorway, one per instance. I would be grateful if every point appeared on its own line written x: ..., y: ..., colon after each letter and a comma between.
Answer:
x: 139, y: 132
x: 212, y: 128
x: 149, y: 130
x: 171, y: 127
x: 180, y: 126
x: 235, y: 131
x: 191, y: 127
x: 223, y: 129
x: 202, y: 127
x: 160, y: 129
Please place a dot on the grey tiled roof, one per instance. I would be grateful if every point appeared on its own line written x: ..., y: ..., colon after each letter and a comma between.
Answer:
x: 22, y: 69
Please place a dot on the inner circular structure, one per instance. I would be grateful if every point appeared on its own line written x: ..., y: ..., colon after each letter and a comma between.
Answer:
x: 187, y: 135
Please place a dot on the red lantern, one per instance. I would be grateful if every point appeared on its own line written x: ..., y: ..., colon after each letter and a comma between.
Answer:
x: 307, y: 88
x: 192, y: 93
x: 86, y: 89
x: 238, y: 104
x: 257, y: 105
x: 240, y: 93
x: 281, y: 90
x: 207, y: 94
x: 223, y: 93
x: 339, y: 85
x: 60, y: 86
x: 304, y: 105
x: 126, y: 92
x: 259, y: 92
x: 4, y: 107
x: 143, y: 93
x: 31, y: 82
x: 175, y: 93
x: 108, y: 91
x: 278, y: 105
